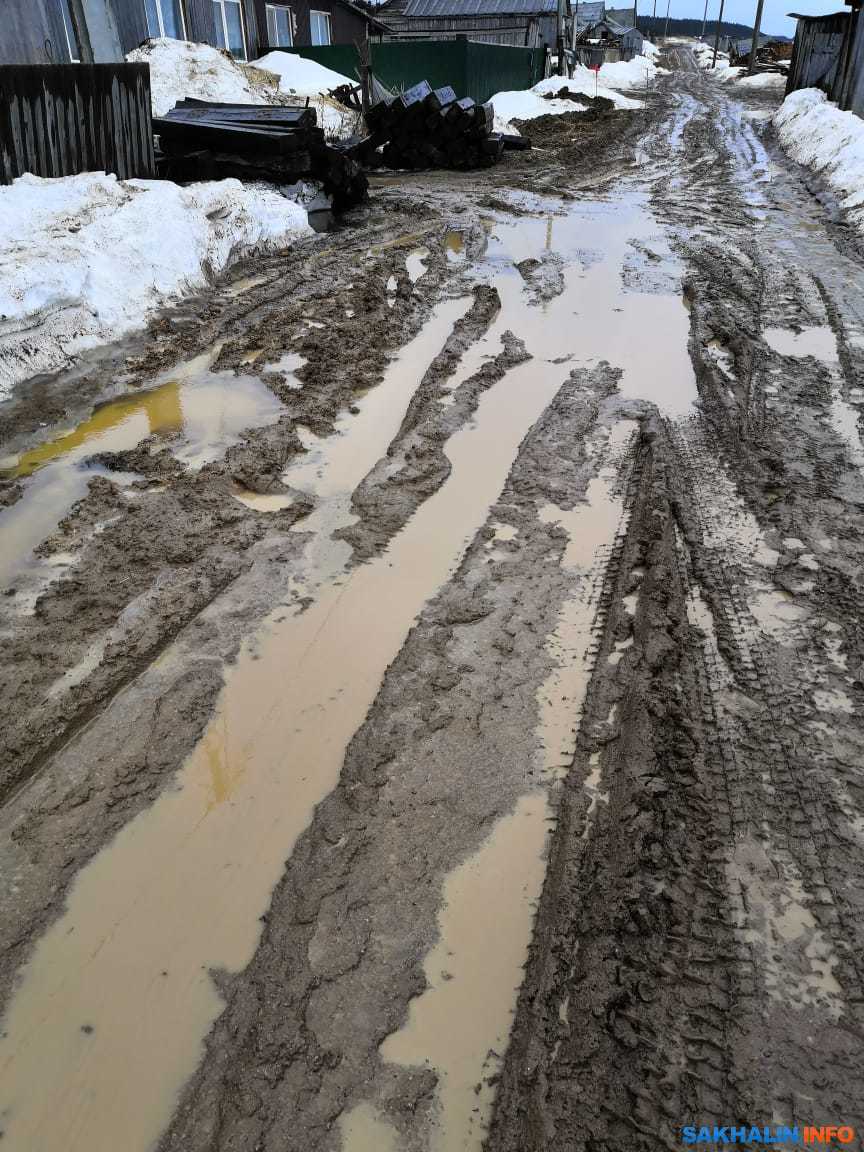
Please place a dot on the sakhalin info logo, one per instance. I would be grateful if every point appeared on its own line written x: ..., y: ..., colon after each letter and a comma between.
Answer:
x: 747, y: 1134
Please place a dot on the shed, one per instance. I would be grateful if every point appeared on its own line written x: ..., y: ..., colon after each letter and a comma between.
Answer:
x: 525, y: 23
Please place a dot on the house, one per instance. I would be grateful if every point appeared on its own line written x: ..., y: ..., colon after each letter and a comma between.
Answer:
x: 604, y: 41
x: 59, y: 31
x: 528, y: 23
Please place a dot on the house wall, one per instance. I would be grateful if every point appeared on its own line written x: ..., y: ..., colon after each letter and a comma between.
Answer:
x: 25, y: 26
x: 524, y: 30
x: 346, y: 25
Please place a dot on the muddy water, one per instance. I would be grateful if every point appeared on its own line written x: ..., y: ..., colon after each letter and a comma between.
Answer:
x: 600, y: 315
x: 460, y: 1025
x: 182, y: 888
x: 112, y: 1010
x: 200, y: 412
x: 457, y: 1026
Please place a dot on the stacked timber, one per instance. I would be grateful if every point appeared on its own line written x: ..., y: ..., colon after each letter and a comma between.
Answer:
x: 200, y: 140
x: 430, y: 128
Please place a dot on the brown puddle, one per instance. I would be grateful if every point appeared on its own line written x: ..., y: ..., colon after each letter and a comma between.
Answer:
x: 598, y: 317
x: 182, y: 888
x: 460, y: 1025
x: 201, y: 411
x: 474, y: 972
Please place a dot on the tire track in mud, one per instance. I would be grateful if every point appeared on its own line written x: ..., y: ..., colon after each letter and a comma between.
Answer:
x: 681, y: 979
x: 459, y: 703
x: 98, y: 774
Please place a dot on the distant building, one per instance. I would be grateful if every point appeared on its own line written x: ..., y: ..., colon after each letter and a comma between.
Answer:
x: 604, y: 41
x: 59, y: 31
x: 529, y: 23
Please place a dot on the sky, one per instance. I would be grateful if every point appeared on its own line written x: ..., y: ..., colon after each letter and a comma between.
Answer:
x: 774, y: 18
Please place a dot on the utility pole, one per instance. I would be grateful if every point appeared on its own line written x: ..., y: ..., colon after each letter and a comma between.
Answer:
x: 755, y: 44
x: 704, y: 19
x: 561, y: 61
x: 717, y: 36
x: 666, y: 25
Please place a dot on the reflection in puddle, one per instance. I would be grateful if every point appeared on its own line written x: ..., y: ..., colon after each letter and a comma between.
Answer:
x: 201, y: 412
x: 415, y: 264
x: 598, y: 317
x: 817, y: 341
x: 474, y: 971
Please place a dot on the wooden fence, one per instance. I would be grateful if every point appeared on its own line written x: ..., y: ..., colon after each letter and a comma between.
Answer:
x: 62, y: 119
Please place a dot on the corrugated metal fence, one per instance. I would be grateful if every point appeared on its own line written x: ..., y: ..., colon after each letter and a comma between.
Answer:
x: 829, y: 54
x: 470, y: 68
x: 62, y: 119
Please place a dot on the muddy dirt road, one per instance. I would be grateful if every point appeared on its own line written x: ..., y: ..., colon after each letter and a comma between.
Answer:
x: 433, y: 673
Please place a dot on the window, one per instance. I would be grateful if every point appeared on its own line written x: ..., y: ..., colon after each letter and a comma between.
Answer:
x: 279, y: 31
x: 320, y: 27
x: 165, y: 18
x: 229, y: 27
x: 71, y: 37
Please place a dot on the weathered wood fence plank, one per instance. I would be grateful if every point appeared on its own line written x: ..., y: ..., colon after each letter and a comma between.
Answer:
x: 62, y: 119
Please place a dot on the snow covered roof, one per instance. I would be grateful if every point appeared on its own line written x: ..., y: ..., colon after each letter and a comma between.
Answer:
x: 479, y: 7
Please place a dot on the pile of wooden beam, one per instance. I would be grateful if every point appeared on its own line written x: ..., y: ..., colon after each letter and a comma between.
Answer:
x: 426, y: 128
x: 200, y: 140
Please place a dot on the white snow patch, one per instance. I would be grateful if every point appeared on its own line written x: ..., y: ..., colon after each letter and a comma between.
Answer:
x: 85, y: 259
x: 817, y: 134
x: 763, y: 80
x: 179, y: 69
x: 301, y: 78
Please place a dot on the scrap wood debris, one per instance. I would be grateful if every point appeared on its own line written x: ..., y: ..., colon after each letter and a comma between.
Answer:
x: 203, y: 140
x: 431, y: 128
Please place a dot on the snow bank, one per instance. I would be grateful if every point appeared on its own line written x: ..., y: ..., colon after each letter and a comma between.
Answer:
x: 817, y: 134
x: 301, y: 78
x: 531, y: 103
x: 179, y: 69
x: 85, y: 259
x: 635, y: 73
x: 763, y: 80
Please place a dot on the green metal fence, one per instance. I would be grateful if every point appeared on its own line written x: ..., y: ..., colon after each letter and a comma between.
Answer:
x: 470, y: 67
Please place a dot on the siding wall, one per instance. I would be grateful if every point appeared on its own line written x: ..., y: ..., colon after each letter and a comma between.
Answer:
x: 26, y: 26
x: 346, y: 25
x: 524, y: 31
x: 829, y: 54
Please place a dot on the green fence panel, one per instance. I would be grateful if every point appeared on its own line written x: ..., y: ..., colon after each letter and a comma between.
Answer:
x: 471, y: 68
x: 495, y: 68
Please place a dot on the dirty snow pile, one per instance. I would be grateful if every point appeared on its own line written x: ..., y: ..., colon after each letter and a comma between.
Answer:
x: 817, y: 134
x: 636, y: 73
x: 85, y: 259
x: 764, y: 80
x: 301, y: 78
x: 530, y: 103
x: 179, y: 69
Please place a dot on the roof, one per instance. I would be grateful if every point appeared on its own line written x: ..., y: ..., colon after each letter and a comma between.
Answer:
x: 589, y: 13
x: 478, y: 7
x: 365, y: 14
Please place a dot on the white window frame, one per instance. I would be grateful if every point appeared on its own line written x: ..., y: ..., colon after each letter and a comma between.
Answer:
x: 239, y: 4
x: 71, y: 37
x: 326, y: 15
x: 161, y: 22
x: 268, y: 8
